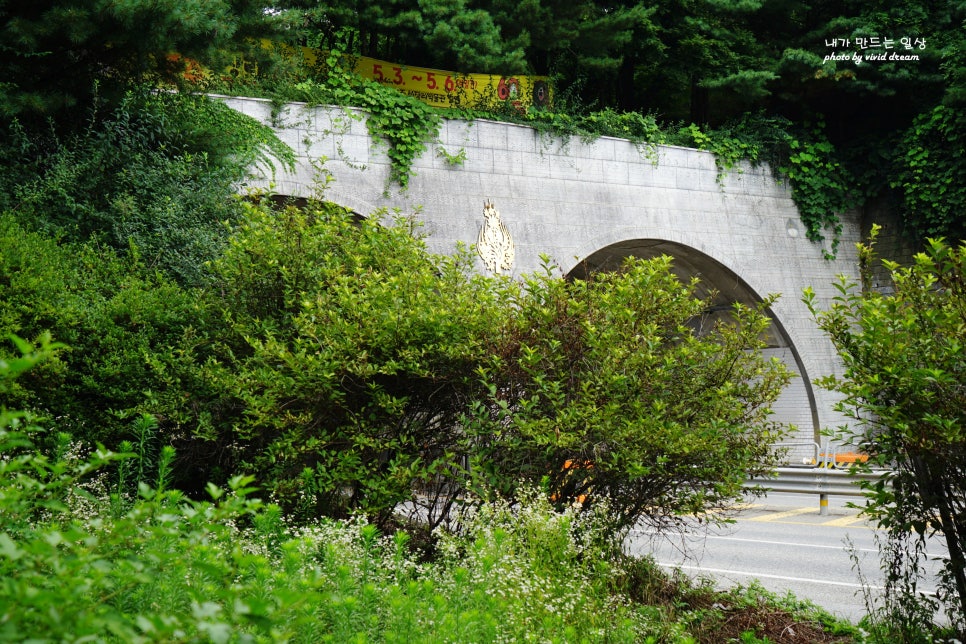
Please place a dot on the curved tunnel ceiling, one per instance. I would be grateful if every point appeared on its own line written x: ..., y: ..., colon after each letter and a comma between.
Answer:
x: 716, y: 279
x: 723, y: 285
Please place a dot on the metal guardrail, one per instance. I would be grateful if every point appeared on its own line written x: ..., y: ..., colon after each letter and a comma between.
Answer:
x: 817, y: 480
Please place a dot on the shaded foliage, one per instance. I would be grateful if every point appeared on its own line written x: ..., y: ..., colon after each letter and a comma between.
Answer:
x: 930, y: 174
x: 133, y: 335
x: 904, y: 386
x: 625, y: 388
x: 62, y: 56
x: 157, y: 177
x: 454, y: 35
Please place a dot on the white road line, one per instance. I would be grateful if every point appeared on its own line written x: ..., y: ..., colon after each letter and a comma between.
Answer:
x: 929, y: 556
x: 767, y: 576
x: 788, y: 543
x: 669, y: 537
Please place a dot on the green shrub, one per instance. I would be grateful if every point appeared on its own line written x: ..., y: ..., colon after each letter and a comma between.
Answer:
x: 135, y: 337
x: 903, y: 387
x: 76, y: 565
x: 156, y: 177
x: 352, y: 354
x: 623, y: 387
x: 367, y: 370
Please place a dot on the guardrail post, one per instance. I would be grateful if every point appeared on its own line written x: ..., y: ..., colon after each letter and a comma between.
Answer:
x: 817, y: 480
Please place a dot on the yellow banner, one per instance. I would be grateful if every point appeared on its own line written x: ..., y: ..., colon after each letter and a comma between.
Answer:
x: 436, y: 87
x: 450, y: 89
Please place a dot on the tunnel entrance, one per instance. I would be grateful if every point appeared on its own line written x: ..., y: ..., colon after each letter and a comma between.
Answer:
x: 797, y: 404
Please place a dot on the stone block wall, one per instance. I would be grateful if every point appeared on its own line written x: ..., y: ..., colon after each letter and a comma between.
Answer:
x: 567, y: 199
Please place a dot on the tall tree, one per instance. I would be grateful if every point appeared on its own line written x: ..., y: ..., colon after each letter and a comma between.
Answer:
x: 905, y: 387
x: 56, y: 55
x: 711, y: 65
x: 582, y: 43
x: 448, y: 34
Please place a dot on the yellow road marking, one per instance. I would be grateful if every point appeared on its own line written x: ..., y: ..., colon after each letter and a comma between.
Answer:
x: 775, y: 516
x: 845, y: 521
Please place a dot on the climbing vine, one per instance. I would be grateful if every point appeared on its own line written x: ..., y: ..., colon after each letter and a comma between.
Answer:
x: 405, y: 125
x: 821, y: 186
x: 931, y: 181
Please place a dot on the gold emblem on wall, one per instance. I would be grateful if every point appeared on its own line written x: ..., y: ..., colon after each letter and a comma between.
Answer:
x: 495, y: 245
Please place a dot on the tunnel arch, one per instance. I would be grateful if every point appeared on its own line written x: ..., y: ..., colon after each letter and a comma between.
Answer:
x: 726, y: 288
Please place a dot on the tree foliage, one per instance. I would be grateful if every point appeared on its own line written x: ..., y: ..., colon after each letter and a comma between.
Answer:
x: 706, y: 62
x: 365, y: 370
x: 351, y: 356
x: 905, y: 386
x: 930, y: 174
x: 452, y: 34
x: 625, y: 388
x: 156, y: 176
x: 58, y: 56
x: 133, y: 336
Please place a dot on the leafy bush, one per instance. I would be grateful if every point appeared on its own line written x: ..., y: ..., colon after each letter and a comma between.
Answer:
x: 904, y: 387
x: 367, y: 370
x: 624, y: 387
x: 352, y: 354
x: 156, y: 177
x: 134, y: 336
x: 348, y: 370
x: 77, y: 565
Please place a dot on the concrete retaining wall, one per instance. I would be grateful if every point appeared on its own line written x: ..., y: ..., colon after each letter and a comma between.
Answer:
x: 568, y: 199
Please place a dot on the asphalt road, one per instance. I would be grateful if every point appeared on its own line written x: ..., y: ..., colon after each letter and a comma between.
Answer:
x: 786, y: 544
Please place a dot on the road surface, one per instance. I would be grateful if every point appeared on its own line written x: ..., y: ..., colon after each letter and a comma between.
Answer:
x: 784, y: 542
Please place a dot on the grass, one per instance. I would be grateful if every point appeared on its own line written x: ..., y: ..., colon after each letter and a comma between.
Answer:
x: 81, y: 563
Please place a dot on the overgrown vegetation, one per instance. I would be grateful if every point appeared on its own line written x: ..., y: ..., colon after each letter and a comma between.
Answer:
x: 701, y: 70
x: 232, y: 372
x: 405, y: 125
x: 357, y: 370
x: 154, y: 177
x: 623, y: 387
x: 904, y: 386
x: 821, y: 186
x: 84, y: 553
x: 932, y: 184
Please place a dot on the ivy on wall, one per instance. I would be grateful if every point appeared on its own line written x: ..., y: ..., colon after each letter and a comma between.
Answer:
x: 931, y: 180
x: 821, y: 186
x: 405, y: 125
